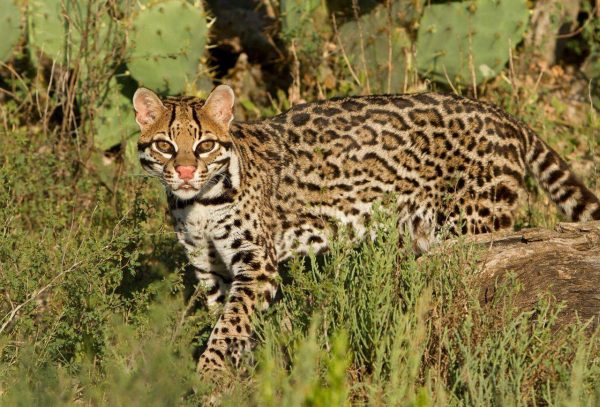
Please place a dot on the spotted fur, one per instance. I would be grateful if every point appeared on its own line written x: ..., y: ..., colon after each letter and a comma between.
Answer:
x: 278, y: 187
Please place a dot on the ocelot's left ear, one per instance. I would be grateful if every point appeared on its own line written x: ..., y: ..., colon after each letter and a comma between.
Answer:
x: 148, y: 107
x: 219, y: 106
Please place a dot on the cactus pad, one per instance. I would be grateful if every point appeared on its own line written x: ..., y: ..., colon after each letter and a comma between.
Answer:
x: 299, y: 17
x: 114, y: 121
x: 59, y: 38
x: 48, y: 30
x: 459, y: 41
x: 305, y: 23
x: 375, y: 28
x: 168, y: 40
x: 10, y: 24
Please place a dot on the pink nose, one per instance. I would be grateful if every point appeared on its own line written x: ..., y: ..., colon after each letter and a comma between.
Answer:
x: 186, y: 172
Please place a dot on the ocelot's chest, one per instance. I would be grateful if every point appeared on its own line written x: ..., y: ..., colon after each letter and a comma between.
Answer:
x: 192, y: 221
x: 196, y: 227
x: 209, y: 233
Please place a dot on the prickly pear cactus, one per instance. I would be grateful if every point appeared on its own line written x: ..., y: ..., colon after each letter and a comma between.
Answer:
x: 370, y: 36
x: 114, y: 125
x: 114, y: 121
x: 305, y: 23
x: 299, y: 16
x: 591, y: 68
x: 469, y: 40
x: 404, y: 12
x: 59, y: 38
x: 167, y: 41
x: 48, y: 31
x: 10, y: 26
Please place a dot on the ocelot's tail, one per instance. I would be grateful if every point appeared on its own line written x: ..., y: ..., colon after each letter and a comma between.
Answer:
x: 561, y: 184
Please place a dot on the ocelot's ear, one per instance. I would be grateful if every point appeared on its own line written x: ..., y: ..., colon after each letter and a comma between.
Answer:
x: 148, y: 107
x: 219, y: 106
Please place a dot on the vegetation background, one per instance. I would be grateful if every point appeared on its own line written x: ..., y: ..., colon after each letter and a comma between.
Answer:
x: 97, y: 306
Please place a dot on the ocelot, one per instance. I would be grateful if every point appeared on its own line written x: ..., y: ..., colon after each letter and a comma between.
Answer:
x: 245, y: 196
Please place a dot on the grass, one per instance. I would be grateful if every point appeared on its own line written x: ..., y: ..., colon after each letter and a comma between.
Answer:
x: 94, y: 313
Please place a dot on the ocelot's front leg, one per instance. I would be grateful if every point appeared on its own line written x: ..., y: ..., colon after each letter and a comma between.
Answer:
x: 211, y: 272
x: 254, y: 285
x: 216, y: 284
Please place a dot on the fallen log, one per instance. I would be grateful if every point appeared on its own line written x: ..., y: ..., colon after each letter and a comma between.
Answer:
x: 564, y: 262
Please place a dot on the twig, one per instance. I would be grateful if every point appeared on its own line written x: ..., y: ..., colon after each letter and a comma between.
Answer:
x: 47, y: 99
x: 295, y: 88
x: 449, y: 81
x: 16, y: 75
x: 337, y: 34
x: 192, y: 301
x: 511, y: 64
x: 472, y: 67
x: 390, y: 28
x: 12, y: 314
x: 362, y: 45
x: 580, y: 28
x: 407, y: 61
x: 590, y: 95
x: 537, y: 81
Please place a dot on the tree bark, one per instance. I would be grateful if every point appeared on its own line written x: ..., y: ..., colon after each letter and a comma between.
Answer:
x: 564, y: 262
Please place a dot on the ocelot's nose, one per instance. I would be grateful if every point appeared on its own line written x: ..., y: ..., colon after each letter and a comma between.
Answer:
x: 186, y: 172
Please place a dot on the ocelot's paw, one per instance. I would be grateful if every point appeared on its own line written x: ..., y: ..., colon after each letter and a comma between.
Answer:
x: 212, y: 361
x: 223, y: 353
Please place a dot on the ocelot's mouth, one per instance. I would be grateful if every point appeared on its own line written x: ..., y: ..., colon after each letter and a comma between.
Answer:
x: 185, y: 187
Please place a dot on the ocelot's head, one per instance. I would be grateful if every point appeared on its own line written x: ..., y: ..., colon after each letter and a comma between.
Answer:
x: 185, y: 142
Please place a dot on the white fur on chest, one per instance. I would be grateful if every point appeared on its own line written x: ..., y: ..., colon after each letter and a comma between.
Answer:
x: 195, y: 225
x: 194, y: 218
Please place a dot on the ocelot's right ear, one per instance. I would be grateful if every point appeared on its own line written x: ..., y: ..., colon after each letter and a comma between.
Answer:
x: 148, y: 107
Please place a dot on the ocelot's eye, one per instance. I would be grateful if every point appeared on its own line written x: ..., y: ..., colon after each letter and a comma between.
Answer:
x: 164, y: 147
x: 205, y: 147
